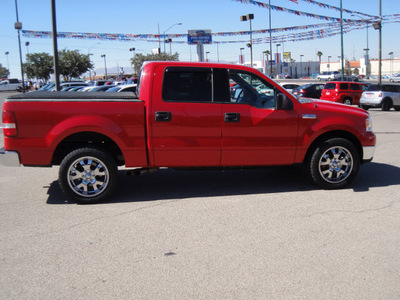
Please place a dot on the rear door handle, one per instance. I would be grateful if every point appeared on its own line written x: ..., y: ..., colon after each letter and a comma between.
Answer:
x: 232, y: 117
x: 163, y: 116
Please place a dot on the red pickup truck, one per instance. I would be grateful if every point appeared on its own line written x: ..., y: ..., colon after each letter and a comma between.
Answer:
x: 185, y: 115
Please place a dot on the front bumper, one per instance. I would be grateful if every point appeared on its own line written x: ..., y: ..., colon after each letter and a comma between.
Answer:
x: 9, y: 158
x: 368, y: 153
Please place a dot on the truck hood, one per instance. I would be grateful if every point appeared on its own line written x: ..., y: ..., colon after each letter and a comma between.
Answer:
x: 316, y: 105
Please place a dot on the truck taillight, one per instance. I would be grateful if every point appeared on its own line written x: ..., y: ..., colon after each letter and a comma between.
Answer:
x: 9, y: 124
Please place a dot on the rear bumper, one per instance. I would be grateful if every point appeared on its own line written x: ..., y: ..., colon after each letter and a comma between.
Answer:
x: 9, y: 158
x: 368, y: 153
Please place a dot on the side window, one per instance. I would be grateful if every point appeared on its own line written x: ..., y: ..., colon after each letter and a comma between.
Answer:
x: 355, y: 87
x: 185, y: 84
x: 364, y: 87
x: 344, y: 86
x: 398, y: 88
x: 248, y: 88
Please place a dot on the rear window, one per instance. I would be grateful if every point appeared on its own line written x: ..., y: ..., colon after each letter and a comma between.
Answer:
x: 389, y: 88
x: 330, y: 86
x: 183, y: 84
x: 374, y: 88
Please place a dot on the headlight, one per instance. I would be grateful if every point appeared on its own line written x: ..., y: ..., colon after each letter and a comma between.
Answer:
x: 368, y: 124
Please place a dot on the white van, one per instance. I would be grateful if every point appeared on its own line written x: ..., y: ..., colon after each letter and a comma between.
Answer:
x: 10, y: 85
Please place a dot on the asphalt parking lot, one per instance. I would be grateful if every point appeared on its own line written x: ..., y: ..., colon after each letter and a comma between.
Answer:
x: 261, y: 233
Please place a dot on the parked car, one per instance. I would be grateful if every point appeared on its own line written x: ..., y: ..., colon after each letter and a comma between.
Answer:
x: 10, y: 85
x: 328, y: 75
x: 395, y: 78
x: 312, y: 90
x: 343, y: 92
x: 289, y: 86
x: 384, y: 96
x: 347, y: 78
x: 123, y: 88
x: 102, y: 88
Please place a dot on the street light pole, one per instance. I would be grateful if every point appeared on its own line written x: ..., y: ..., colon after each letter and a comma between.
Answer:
x: 55, y: 47
x: 277, y: 55
x: 8, y: 63
x: 105, y: 65
x: 133, y: 57
x: 90, y: 70
x: 329, y: 63
x: 241, y: 56
x: 250, y: 45
x: 341, y: 38
x: 27, y: 47
x: 18, y: 26
x: 301, y: 65
x: 166, y: 31
x: 391, y: 63
x: 366, y: 49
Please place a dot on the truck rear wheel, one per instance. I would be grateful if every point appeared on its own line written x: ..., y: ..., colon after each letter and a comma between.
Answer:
x: 88, y: 175
x: 334, y: 163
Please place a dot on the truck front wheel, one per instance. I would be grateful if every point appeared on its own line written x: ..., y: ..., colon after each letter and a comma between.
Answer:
x: 88, y: 175
x: 334, y: 163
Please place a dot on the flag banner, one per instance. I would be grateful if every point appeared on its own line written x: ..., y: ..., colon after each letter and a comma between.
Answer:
x: 295, y: 12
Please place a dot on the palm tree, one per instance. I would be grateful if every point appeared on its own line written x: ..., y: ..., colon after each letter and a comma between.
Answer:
x: 319, y: 53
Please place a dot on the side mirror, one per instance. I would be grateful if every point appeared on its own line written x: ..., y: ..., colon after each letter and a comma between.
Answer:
x: 283, y: 102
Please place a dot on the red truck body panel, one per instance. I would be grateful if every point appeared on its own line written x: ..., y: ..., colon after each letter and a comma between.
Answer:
x: 42, y: 125
x: 197, y: 134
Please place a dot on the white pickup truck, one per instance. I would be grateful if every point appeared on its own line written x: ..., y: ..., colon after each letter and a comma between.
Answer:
x: 328, y: 75
x: 10, y: 85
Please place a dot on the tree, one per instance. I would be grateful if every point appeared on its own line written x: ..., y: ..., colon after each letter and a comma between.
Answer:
x: 139, y: 59
x: 39, y: 65
x: 319, y: 54
x: 73, y: 64
x: 4, y: 72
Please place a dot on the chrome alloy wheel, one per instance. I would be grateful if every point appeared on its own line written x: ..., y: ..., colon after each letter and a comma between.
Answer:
x: 336, y: 164
x: 88, y: 176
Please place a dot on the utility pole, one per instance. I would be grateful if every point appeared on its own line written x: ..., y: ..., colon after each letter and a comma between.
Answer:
x: 55, y: 48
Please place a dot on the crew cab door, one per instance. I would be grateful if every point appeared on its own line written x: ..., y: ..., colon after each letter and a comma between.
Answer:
x: 185, y: 119
x: 254, y: 132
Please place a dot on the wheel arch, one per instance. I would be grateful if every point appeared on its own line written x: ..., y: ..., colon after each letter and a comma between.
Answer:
x: 84, y: 139
x: 334, y: 134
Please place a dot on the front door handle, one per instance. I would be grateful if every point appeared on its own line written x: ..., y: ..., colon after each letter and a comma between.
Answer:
x: 163, y: 116
x: 232, y: 117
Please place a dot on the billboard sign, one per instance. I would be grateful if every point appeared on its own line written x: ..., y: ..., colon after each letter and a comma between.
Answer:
x: 286, y: 55
x: 199, y: 37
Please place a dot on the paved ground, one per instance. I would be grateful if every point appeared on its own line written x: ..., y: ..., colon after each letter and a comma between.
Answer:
x: 207, y: 235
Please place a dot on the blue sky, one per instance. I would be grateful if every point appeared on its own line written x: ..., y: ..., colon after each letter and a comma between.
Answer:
x: 138, y: 16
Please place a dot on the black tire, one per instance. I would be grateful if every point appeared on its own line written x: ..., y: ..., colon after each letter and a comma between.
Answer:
x: 347, y: 101
x: 386, y: 104
x: 88, y: 175
x: 334, y: 163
